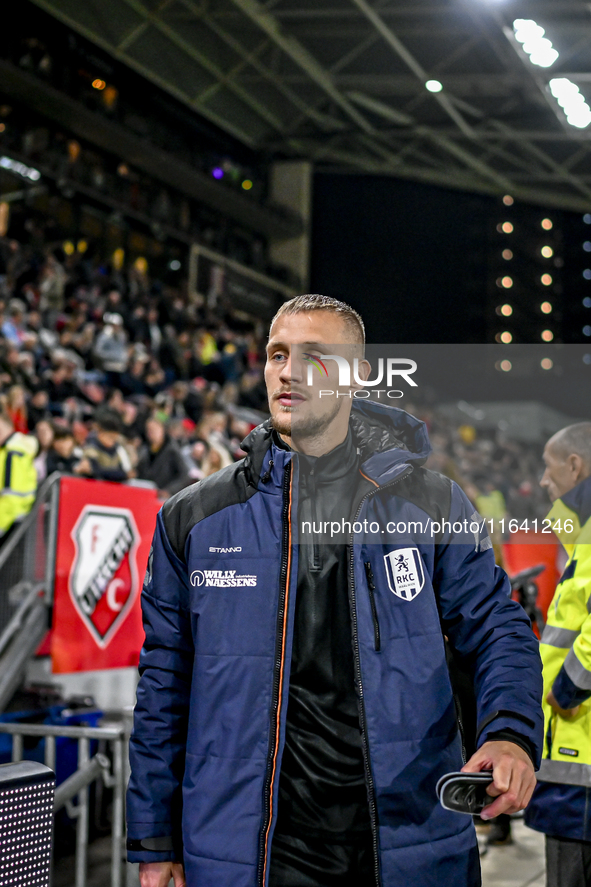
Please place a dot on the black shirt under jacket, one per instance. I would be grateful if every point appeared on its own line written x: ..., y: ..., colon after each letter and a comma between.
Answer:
x: 322, y: 791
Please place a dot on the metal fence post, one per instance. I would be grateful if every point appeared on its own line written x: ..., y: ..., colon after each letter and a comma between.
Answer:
x: 117, y: 835
x: 52, y: 539
x: 82, y: 818
x: 17, y: 748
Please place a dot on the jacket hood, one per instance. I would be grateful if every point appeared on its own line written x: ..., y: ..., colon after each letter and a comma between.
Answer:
x: 385, y: 436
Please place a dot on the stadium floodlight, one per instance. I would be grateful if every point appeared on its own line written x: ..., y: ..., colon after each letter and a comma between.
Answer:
x: 535, y: 44
x: 568, y: 95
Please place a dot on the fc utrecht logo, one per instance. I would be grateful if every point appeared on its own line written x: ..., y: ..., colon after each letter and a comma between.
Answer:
x: 404, y: 568
x: 103, y: 580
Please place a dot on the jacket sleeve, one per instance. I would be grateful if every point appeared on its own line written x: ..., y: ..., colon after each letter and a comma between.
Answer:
x: 157, y: 745
x: 489, y: 631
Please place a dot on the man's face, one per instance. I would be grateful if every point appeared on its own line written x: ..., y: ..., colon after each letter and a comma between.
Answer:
x: 108, y: 438
x: 296, y: 408
x: 64, y: 446
x: 560, y: 475
x: 155, y: 433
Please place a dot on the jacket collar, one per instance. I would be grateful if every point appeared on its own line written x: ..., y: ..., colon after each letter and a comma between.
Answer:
x: 387, y: 439
x: 579, y: 500
x: 574, y: 506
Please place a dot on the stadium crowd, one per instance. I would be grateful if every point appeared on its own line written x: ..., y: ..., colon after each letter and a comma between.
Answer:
x: 120, y: 377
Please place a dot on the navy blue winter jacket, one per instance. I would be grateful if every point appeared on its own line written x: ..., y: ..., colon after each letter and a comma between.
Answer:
x: 218, y: 605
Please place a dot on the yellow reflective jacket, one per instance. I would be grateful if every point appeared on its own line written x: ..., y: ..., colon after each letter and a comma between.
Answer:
x: 566, y: 646
x: 18, y: 478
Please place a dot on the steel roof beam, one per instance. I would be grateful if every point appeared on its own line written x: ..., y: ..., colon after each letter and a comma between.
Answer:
x: 257, y: 13
x: 407, y: 57
x: 449, y: 146
x: 207, y: 64
x: 427, y: 11
x: 326, y: 121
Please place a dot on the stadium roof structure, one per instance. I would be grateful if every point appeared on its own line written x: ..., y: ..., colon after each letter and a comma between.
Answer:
x: 343, y: 82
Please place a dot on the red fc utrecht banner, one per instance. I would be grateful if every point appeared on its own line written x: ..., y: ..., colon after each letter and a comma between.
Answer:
x: 104, y: 536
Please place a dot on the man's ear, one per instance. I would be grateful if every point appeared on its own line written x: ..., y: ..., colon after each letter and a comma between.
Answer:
x: 363, y: 372
x: 577, y: 466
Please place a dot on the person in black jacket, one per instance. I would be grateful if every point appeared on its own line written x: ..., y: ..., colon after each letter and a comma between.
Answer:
x: 62, y: 455
x: 161, y: 460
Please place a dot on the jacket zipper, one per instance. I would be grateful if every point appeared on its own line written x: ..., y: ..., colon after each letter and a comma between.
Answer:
x: 461, y: 729
x: 371, y: 587
x: 313, y: 501
x: 363, y: 722
x: 278, y: 676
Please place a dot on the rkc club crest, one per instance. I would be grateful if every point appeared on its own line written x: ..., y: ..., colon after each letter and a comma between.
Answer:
x: 404, y: 568
x: 104, y: 579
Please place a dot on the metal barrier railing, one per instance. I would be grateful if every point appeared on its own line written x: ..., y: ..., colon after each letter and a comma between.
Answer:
x: 111, y: 770
x: 27, y: 573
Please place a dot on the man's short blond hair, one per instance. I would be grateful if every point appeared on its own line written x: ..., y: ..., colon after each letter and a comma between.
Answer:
x: 317, y: 302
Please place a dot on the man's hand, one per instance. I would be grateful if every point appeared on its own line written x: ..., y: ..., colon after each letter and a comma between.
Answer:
x: 563, y: 712
x: 159, y: 874
x: 513, y: 776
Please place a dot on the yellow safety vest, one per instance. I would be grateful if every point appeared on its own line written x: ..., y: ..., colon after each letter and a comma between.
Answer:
x: 566, y: 644
x: 18, y: 478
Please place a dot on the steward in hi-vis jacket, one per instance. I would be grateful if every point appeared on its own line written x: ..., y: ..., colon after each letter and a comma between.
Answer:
x: 562, y: 800
x: 219, y: 602
x: 17, y: 474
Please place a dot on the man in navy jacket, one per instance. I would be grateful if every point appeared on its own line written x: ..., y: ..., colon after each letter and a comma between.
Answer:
x: 295, y: 709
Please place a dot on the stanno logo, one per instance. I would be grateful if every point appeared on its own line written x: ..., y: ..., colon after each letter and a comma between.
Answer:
x: 225, y: 550
x: 104, y: 580
x: 222, y: 579
x: 404, y: 569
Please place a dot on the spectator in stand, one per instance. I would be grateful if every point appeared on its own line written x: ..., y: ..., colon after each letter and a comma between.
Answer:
x: 196, y: 456
x: 161, y: 460
x: 38, y: 407
x: 13, y: 326
x: 53, y: 281
x: 44, y: 435
x: 63, y: 455
x: 110, y: 349
x: 104, y: 457
x: 133, y: 381
x: 17, y: 452
x: 16, y: 407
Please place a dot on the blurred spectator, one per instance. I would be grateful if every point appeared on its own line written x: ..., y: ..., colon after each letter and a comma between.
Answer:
x: 12, y: 328
x: 16, y: 407
x: 110, y: 349
x: 52, y: 283
x: 160, y: 460
x: 104, y: 457
x: 37, y: 408
x: 196, y: 455
x: 19, y: 486
x: 44, y: 435
x: 63, y: 455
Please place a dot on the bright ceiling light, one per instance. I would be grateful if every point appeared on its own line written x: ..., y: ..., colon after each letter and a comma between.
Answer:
x: 434, y: 85
x: 538, y: 48
x: 568, y: 96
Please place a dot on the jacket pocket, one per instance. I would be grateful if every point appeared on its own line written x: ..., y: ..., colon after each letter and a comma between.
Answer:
x: 371, y: 587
